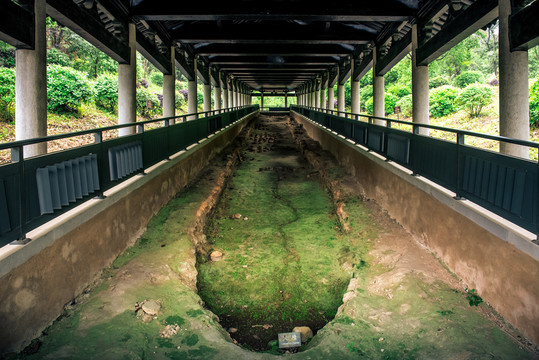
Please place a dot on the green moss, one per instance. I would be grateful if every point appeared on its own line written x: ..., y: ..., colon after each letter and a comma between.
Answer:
x: 190, y: 340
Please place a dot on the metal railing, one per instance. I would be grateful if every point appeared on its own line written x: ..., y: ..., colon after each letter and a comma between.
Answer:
x: 506, y: 185
x: 30, y: 187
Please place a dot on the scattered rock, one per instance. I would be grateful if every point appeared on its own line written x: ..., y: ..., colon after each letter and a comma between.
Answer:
x: 246, y: 218
x: 381, y: 339
x: 352, y: 285
x: 347, y: 267
x: 348, y: 296
x: 232, y: 330
x: 305, y: 331
x: 151, y: 307
x: 235, y: 216
x: 216, y: 255
x: 170, y: 331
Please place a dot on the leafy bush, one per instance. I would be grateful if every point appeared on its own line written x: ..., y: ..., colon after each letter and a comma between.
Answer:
x: 106, y: 92
x: 493, y: 82
x: 442, y: 101
x: 534, y: 103
x: 390, y: 102
x: 157, y: 78
x: 179, y: 100
x: 184, y: 93
x: 438, y: 81
x: 399, y: 90
x: 56, y: 57
x: 405, y: 104
x: 468, y: 77
x: 474, y: 97
x: 7, y: 94
x: 365, y: 93
x: 147, y: 102
x: 67, y: 88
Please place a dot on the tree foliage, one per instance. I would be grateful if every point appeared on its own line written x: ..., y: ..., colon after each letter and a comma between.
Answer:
x: 534, y: 104
x: 7, y: 94
x: 468, y: 77
x: 106, y: 92
x: 147, y: 102
x: 442, y: 101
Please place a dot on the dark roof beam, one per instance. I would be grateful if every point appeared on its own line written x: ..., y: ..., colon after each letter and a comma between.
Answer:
x: 524, y: 27
x: 17, y: 27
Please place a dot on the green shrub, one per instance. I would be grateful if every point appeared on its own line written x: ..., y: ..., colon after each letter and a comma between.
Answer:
x: 365, y: 93
x: 390, y: 103
x: 56, y: 57
x: 468, y: 77
x: 442, y: 101
x: 474, y: 97
x: 157, y: 78
x: 405, y: 104
x: 7, y: 94
x: 534, y: 103
x: 106, y: 92
x: 147, y: 103
x: 179, y: 101
x: 399, y: 90
x: 438, y: 81
x: 66, y: 89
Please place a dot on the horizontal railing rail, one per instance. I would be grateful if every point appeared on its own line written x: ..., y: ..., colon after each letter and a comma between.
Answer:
x: 34, y: 190
x: 506, y: 185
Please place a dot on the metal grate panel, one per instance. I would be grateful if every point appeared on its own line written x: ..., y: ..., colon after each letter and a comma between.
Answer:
x: 125, y: 160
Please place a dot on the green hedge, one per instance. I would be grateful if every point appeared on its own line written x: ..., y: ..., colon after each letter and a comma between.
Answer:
x: 67, y: 88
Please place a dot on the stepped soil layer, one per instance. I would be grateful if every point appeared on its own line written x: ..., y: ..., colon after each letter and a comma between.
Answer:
x: 396, y: 301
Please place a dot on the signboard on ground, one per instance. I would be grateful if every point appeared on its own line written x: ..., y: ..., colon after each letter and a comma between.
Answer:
x: 289, y: 340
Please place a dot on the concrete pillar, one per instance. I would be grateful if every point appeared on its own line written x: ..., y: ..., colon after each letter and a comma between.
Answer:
x: 323, y: 102
x: 127, y: 92
x: 420, y: 88
x: 514, y: 92
x: 169, y: 89
x: 217, y: 97
x: 378, y: 93
x: 207, y: 97
x: 237, y: 95
x: 331, y: 98
x: 317, y: 95
x: 340, y: 97
x: 262, y: 100
x: 286, y: 99
x: 223, y: 82
x: 31, y: 87
x: 192, y: 94
x: 355, y: 87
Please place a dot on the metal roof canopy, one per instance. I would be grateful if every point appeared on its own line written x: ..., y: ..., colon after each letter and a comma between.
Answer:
x: 285, y: 44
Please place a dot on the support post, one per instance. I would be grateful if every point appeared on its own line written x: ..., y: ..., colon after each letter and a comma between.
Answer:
x: 340, y: 97
x: 127, y: 92
x: 331, y: 98
x: 323, y: 100
x: 514, y: 92
x: 192, y: 93
x: 261, y: 100
x: 207, y: 97
x: 217, y: 97
x: 420, y: 88
x: 169, y: 89
x: 378, y: 93
x: 355, y: 87
x: 31, y: 87
x: 223, y: 80
x: 286, y: 99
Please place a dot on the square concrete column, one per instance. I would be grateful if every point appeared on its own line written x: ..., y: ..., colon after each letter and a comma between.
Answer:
x: 127, y: 91
x: 192, y: 93
x: 420, y: 88
x: 340, y: 97
x: 331, y: 98
x: 323, y: 100
x: 169, y: 89
x: 355, y: 101
x: 217, y: 97
x: 514, y: 92
x: 31, y: 87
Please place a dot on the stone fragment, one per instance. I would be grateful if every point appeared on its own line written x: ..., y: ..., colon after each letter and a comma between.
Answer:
x: 348, y: 296
x: 232, y: 330
x: 216, y: 255
x: 151, y: 307
x: 305, y: 331
x: 235, y: 216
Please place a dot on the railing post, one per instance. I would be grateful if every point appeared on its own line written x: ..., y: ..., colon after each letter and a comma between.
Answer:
x: 140, y: 129
x: 17, y: 155
x: 98, y: 139
x: 460, y: 141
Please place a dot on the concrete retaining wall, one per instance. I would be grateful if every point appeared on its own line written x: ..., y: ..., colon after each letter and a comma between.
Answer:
x: 488, y: 253
x: 64, y: 256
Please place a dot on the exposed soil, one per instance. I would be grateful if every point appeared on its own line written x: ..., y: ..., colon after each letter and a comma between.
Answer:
x: 396, y: 302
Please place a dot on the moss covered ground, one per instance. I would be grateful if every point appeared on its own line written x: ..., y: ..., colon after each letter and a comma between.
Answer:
x: 401, y: 303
